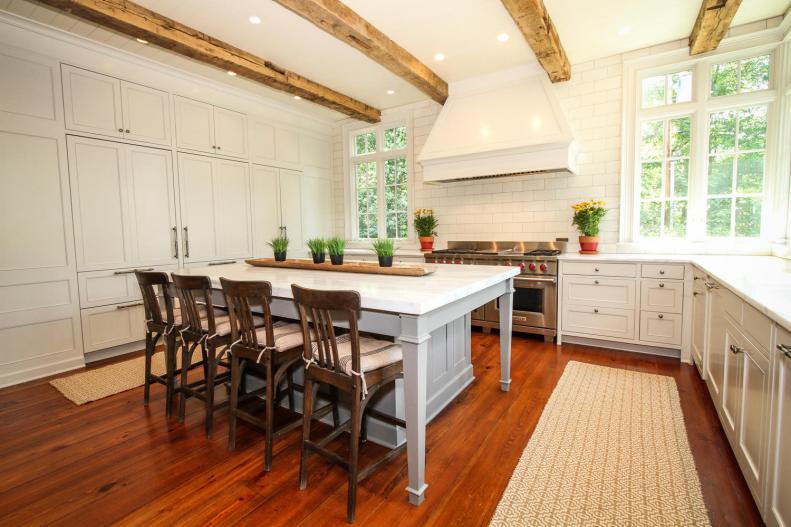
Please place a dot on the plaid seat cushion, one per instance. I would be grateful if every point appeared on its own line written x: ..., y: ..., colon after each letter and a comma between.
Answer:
x: 287, y: 335
x: 223, y: 323
x: 374, y: 353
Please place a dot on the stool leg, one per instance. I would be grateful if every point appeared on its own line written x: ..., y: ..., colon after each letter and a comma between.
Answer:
x: 271, y: 393
x: 307, y: 417
x: 149, y: 352
x: 290, y: 379
x: 170, y: 364
x: 334, y: 401
x: 186, y: 358
x: 211, y: 371
x: 235, y: 375
x: 354, y: 450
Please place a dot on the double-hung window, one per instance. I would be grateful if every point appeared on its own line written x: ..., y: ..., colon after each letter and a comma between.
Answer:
x: 697, y: 169
x: 380, y: 161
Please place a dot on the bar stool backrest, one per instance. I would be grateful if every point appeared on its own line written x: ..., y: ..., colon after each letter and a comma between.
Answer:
x: 155, y: 285
x: 197, y: 308
x: 242, y: 298
x: 318, y: 307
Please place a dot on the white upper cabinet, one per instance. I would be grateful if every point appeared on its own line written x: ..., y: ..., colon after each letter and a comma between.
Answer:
x: 277, y: 209
x: 146, y: 113
x: 123, y: 204
x: 232, y: 209
x: 93, y: 102
x: 287, y: 146
x: 104, y: 105
x: 291, y: 209
x: 201, y: 126
x: 315, y: 152
x: 30, y: 88
x: 262, y: 142
x: 316, y: 207
x: 275, y: 145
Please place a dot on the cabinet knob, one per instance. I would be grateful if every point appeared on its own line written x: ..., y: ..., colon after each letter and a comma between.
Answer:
x: 596, y: 282
x: 121, y: 130
x: 661, y: 285
x: 218, y: 148
x: 661, y: 271
x: 595, y: 310
x: 127, y: 131
x: 214, y: 147
x: 736, y: 349
x: 786, y: 349
x: 596, y: 269
x: 661, y: 315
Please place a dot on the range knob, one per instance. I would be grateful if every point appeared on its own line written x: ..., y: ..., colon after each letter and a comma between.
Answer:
x: 532, y: 267
x: 543, y: 267
x: 522, y: 267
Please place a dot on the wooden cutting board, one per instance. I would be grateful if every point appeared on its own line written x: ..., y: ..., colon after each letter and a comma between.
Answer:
x: 347, y: 267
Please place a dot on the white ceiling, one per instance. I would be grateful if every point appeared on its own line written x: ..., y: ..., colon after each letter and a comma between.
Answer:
x: 465, y: 31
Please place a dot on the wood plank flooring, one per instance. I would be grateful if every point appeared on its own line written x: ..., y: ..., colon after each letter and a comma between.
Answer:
x: 115, y: 462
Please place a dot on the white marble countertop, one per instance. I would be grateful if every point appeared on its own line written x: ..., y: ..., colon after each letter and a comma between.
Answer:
x: 397, y: 294
x: 764, y: 282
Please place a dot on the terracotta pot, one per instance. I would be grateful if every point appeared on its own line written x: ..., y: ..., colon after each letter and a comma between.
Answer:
x: 589, y: 244
x: 426, y: 243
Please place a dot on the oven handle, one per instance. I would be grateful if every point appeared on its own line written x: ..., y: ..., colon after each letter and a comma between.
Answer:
x: 536, y: 279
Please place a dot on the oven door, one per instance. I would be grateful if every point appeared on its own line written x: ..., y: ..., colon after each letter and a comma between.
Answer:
x: 535, y: 303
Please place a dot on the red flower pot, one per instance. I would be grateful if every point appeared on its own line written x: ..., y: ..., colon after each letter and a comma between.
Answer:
x: 426, y: 243
x: 589, y: 244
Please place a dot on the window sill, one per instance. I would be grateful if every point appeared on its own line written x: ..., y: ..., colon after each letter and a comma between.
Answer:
x: 731, y: 247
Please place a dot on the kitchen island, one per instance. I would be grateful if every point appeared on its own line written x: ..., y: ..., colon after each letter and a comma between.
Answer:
x: 429, y: 316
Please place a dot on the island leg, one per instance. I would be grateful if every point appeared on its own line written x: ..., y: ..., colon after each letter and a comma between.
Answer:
x: 414, y: 344
x: 506, y: 319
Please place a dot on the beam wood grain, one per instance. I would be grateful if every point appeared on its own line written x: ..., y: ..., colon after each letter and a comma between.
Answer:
x: 714, y: 20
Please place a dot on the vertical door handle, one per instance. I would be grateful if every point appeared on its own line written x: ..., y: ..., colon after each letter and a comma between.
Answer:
x: 174, y: 231
x: 186, y: 243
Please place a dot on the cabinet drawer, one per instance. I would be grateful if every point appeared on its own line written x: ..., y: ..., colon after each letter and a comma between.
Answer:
x: 599, y: 292
x: 108, y: 326
x: 664, y: 328
x: 599, y: 321
x: 600, y: 269
x: 666, y: 271
x: 661, y: 295
x: 758, y: 327
x: 102, y: 288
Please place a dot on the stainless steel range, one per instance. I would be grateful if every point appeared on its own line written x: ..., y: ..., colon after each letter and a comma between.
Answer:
x: 535, y: 296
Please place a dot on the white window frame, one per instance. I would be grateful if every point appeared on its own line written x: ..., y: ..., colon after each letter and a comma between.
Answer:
x: 350, y: 160
x: 775, y: 193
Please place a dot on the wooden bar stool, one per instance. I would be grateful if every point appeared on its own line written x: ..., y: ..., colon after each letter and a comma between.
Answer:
x: 204, y: 326
x: 161, y: 322
x: 273, y: 349
x: 353, y: 364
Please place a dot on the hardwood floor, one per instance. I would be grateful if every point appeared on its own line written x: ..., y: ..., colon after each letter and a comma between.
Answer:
x: 115, y: 462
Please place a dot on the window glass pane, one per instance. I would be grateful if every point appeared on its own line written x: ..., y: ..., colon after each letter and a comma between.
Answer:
x: 680, y: 87
x: 395, y: 175
x: 748, y: 217
x: 395, y: 138
x: 720, y: 174
x: 650, y: 219
x: 679, y: 177
x: 750, y: 173
x: 654, y: 91
x: 365, y: 143
x: 752, y: 128
x: 367, y: 200
x: 676, y: 218
x: 725, y: 78
x: 754, y: 74
x: 718, y: 217
x: 722, y: 132
x: 679, y: 137
x: 651, y: 180
x: 652, y: 144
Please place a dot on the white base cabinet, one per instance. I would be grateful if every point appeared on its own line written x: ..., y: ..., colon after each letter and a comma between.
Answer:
x: 778, y: 495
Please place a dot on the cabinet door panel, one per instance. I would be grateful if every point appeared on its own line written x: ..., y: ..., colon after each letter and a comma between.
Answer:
x: 599, y: 292
x: 230, y: 132
x: 778, y: 512
x: 291, y: 207
x: 661, y: 295
x: 108, y: 326
x: 663, y: 328
x: 151, y: 205
x: 752, y: 420
x: 98, y: 186
x: 602, y: 321
x: 316, y: 207
x: 699, y: 328
x: 197, y: 208
x: 715, y: 361
x: 266, y: 209
x: 146, y: 115
x: 287, y: 146
x: 92, y: 102
x: 232, y: 209
x: 732, y: 381
x: 262, y: 142
x: 194, y: 125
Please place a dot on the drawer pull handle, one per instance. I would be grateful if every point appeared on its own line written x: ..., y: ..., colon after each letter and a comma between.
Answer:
x: 786, y: 349
x: 661, y: 315
x: 133, y: 271
x: 226, y: 262
x: 661, y: 271
x: 127, y: 306
x: 596, y: 269
x: 661, y: 285
x: 736, y: 349
x: 695, y: 293
x: 595, y: 310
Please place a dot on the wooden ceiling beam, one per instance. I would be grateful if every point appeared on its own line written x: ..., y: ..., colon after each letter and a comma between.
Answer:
x: 137, y: 21
x: 343, y: 23
x: 533, y: 20
x: 714, y: 20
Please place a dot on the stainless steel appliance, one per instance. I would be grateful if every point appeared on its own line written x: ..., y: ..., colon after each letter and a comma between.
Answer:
x: 535, y: 295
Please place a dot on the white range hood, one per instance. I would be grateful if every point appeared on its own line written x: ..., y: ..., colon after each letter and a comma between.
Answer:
x: 506, y: 123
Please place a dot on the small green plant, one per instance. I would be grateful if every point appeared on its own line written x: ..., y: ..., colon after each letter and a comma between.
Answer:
x: 279, y: 244
x: 425, y: 222
x: 317, y: 245
x: 383, y: 247
x: 588, y: 215
x: 336, y: 245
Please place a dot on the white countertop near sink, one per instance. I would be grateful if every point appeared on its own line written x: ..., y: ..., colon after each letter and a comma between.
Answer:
x: 397, y: 294
x: 762, y: 281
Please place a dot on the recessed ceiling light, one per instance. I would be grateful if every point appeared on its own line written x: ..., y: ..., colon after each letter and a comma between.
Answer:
x: 439, y: 56
x: 254, y: 19
x: 624, y: 30
x: 232, y: 73
x: 297, y: 97
x: 502, y: 37
x: 142, y: 41
x: 390, y: 92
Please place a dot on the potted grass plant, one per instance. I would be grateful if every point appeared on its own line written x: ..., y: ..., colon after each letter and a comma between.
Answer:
x: 318, y: 248
x: 335, y: 247
x: 279, y: 246
x: 426, y: 226
x: 587, y: 216
x: 384, y: 249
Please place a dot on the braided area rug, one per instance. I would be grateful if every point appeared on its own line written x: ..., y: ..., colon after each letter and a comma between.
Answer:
x: 609, y: 449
